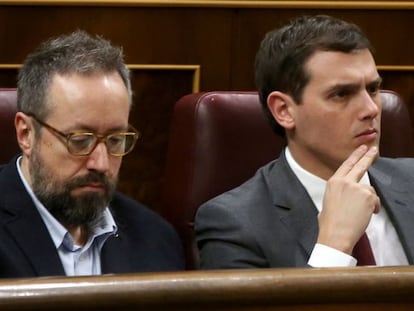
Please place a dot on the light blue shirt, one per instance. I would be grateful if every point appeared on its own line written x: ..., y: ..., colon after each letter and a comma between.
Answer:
x: 76, y: 260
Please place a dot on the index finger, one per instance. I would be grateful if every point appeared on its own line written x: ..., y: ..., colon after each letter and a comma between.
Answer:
x: 358, y: 162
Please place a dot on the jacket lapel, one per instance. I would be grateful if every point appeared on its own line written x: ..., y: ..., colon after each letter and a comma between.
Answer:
x: 398, y: 199
x: 116, y: 252
x: 24, y: 224
x: 298, y: 213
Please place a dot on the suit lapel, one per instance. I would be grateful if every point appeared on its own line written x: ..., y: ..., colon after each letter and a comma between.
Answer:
x: 299, y: 214
x: 22, y: 220
x: 116, y: 252
x: 398, y: 200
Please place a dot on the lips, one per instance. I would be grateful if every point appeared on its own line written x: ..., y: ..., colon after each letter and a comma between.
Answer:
x: 93, y: 186
x: 368, y: 135
x: 367, y: 132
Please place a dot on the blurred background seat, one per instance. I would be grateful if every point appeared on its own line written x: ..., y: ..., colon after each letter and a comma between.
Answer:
x: 9, y: 146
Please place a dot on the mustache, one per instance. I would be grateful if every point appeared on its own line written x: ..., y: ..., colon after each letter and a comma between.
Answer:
x: 91, y: 177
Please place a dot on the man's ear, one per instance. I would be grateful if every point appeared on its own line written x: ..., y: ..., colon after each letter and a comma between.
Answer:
x: 281, y: 107
x: 24, y: 132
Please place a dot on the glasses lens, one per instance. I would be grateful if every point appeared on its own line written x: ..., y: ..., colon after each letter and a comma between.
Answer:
x: 121, y: 143
x: 82, y: 143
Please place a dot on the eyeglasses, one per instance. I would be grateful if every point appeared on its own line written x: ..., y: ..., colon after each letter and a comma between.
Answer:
x: 84, y: 143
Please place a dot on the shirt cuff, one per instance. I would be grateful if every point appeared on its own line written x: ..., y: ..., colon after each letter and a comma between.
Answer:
x: 325, y: 256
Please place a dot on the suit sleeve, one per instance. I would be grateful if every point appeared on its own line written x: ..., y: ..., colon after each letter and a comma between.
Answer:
x: 225, y: 239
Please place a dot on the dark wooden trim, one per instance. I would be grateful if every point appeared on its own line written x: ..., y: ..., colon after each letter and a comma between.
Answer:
x: 287, y: 4
x: 194, y: 68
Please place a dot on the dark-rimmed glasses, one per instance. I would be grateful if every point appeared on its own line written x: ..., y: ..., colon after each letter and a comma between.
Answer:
x: 84, y: 143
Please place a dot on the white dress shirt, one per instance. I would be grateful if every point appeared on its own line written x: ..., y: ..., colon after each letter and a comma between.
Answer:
x: 381, y: 233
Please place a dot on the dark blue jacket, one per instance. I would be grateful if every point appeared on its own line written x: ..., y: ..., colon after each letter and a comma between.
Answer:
x: 145, y: 242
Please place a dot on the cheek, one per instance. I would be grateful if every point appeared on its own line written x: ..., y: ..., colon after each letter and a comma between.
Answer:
x: 313, y: 124
x: 322, y: 130
x: 115, y: 165
x: 63, y: 165
x: 65, y: 168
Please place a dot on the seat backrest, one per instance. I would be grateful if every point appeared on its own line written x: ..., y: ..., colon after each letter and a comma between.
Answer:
x: 219, y: 139
x: 397, y: 137
x: 9, y: 146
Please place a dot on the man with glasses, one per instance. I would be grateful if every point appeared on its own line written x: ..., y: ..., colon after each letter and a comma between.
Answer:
x: 59, y: 211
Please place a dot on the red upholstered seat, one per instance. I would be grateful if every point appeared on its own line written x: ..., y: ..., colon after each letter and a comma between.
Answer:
x: 9, y: 146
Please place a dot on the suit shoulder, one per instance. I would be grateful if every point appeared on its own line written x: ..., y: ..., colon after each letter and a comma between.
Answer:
x: 139, y: 220
x: 149, y: 232
x: 396, y: 166
x: 246, y: 198
x: 127, y: 208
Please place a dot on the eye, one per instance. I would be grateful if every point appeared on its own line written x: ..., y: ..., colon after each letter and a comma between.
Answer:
x: 373, y: 90
x: 116, y: 140
x: 340, y: 94
x: 81, y: 141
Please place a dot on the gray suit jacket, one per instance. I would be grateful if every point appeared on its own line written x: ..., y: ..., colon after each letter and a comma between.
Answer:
x: 270, y: 220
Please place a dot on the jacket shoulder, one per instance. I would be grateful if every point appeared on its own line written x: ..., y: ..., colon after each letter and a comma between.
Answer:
x: 399, y: 167
x: 128, y: 210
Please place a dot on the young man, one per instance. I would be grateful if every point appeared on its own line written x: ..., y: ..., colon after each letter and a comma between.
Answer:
x: 59, y: 211
x: 319, y: 87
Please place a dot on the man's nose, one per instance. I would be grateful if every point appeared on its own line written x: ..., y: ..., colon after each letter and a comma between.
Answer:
x: 371, y: 105
x: 99, y: 158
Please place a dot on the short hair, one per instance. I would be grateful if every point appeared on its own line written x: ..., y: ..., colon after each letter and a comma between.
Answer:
x: 77, y: 52
x: 283, y: 53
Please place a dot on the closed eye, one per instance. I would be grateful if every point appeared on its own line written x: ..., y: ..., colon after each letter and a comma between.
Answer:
x: 116, y: 140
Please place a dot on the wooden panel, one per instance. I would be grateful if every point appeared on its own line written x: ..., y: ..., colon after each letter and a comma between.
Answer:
x: 266, y: 289
x: 8, y: 77
x: 387, y: 30
x: 148, y: 35
x: 155, y: 92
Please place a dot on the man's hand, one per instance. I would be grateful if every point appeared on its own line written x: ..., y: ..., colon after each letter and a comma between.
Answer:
x: 348, y: 205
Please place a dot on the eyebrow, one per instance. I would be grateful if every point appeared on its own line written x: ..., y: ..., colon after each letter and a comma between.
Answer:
x: 377, y: 82
x: 87, y: 129
x: 353, y: 87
